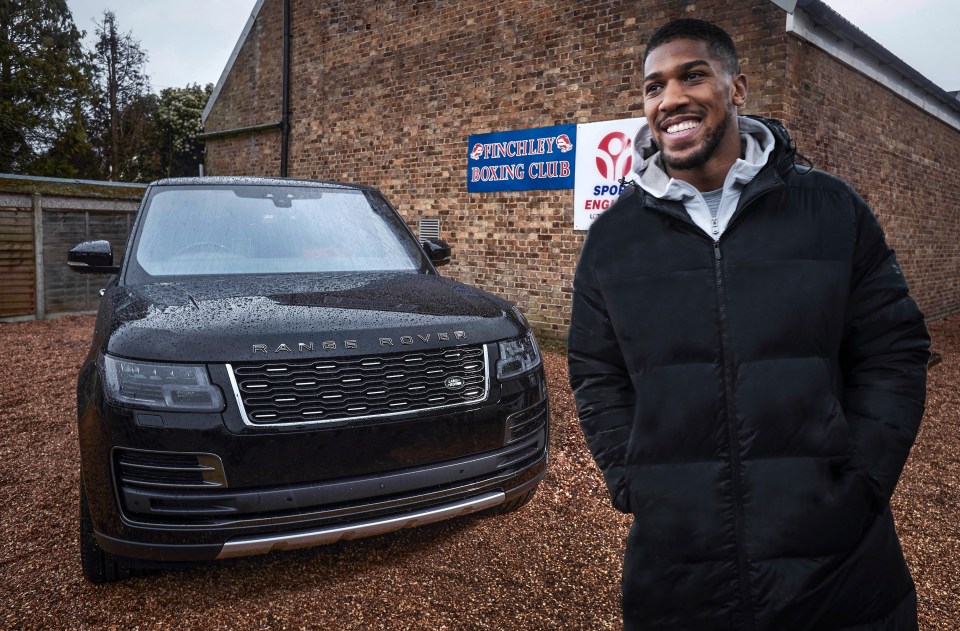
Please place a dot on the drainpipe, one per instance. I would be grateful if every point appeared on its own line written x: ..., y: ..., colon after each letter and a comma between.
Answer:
x: 285, y: 113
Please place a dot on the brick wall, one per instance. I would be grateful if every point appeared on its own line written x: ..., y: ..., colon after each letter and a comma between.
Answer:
x: 904, y: 162
x: 251, y: 95
x: 386, y: 93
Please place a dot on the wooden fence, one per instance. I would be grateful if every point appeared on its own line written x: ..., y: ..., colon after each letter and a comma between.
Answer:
x: 36, y: 231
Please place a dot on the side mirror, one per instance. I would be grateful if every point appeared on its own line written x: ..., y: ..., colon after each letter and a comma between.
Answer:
x: 92, y: 257
x: 437, y: 250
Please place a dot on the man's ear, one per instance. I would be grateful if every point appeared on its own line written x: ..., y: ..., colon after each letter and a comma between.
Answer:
x: 739, y: 90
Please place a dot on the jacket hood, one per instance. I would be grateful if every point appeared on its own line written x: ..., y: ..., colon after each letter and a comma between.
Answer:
x: 760, y: 139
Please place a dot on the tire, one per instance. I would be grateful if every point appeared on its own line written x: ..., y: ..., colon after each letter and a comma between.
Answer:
x: 512, y: 505
x: 98, y: 566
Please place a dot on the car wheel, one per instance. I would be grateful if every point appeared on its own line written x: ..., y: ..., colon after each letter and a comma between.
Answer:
x: 98, y: 566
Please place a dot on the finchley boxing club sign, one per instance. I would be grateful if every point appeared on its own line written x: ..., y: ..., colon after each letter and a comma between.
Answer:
x: 594, y: 159
x: 528, y: 159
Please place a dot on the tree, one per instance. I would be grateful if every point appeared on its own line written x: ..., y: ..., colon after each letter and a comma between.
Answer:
x: 123, y: 103
x: 44, y: 81
x: 65, y: 112
x: 178, y: 126
x: 140, y: 158
x: 71, y: 154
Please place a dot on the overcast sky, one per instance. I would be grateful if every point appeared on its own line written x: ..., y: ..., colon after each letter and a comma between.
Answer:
x: 190, y: 41
x: 187, y: 41
x: 923, y: 33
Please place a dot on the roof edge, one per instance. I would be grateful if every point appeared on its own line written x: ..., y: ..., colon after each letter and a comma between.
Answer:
x: 817, y: 23
x: 254, y: 13
x: 69, y: 180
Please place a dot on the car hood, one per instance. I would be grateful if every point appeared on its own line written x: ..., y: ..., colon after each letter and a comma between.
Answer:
x: 291, y: 317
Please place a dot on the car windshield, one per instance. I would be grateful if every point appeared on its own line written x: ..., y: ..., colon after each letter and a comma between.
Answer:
x: 191, y: 231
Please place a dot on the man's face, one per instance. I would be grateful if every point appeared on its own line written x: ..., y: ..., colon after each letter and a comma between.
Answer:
x: 690, y: 103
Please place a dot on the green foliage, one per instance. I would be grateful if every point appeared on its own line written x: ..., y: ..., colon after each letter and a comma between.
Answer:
x: 91, y: 115
x: 71, y: 154
x: 178, y: 124
x: 123, y: 107
x: 44, y: 82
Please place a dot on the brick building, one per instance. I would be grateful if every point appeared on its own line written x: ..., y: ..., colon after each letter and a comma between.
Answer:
x: 387, y: 93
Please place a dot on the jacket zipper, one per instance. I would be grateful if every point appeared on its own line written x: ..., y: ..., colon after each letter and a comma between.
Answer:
x: 733, y: 440
x: 733, y: 443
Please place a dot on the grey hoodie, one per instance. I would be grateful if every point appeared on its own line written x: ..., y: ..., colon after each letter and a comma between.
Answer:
x: 756, y: 143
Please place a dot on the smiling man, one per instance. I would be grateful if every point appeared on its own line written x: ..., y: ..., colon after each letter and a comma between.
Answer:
x: 748, y: 366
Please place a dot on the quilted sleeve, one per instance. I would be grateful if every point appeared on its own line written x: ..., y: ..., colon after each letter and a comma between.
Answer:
x: 600, y: 381
x: 883, y: 357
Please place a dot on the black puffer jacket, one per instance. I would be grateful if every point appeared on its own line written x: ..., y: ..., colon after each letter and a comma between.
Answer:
x: 752, y: 403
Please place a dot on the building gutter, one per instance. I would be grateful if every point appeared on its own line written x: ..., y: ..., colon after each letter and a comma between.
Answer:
x: 238, y: 131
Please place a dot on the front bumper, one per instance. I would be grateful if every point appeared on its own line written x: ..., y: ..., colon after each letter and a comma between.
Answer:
x: 290, y: 489
x: 246, y: 546
x: 390, y: 521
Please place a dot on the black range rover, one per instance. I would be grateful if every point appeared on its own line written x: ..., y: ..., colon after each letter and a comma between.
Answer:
x: 277, y: 364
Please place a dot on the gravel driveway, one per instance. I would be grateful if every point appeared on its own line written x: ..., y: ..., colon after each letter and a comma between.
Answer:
x: 555, y: 564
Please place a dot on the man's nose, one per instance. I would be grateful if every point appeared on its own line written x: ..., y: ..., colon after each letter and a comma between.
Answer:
x: 674, y: 96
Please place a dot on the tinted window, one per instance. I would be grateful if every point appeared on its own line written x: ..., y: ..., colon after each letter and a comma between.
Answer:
x: 188, y: 231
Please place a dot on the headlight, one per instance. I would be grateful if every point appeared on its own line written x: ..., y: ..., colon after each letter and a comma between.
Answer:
x: 161, y: 386
x: 517, y: 357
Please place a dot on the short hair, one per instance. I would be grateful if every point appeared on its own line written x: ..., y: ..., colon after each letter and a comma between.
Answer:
x: 718, y: 40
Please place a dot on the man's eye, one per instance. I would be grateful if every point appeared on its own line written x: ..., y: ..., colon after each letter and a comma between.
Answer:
x: 651, y: 89
x: 694, y: 75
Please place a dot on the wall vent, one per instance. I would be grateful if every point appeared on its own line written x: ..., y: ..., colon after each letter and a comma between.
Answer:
x: 429, y: 228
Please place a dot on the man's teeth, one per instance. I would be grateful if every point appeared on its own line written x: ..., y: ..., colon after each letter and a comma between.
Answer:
x: 684, y: 126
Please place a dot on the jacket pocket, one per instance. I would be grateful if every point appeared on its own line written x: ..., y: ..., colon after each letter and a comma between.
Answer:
x: 807, y: 507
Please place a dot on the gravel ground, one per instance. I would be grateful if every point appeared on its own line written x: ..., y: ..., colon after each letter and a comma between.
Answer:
x: 554, y: 564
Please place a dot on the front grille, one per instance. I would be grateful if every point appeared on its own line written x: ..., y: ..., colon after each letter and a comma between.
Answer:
x: 165, y: 470
x: 345, y: 388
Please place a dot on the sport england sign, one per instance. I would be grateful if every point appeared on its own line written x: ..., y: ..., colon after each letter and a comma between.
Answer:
x: 528, y: 159
x: 604, y: 158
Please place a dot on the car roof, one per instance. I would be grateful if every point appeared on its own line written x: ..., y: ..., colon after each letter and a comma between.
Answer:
x: 249, y: 180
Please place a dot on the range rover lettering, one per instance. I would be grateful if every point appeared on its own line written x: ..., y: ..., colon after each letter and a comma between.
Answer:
x: 277, y: 364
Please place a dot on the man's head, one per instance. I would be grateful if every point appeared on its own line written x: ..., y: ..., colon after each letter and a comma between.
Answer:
x: 718, y: 41
x: 692, y: 87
